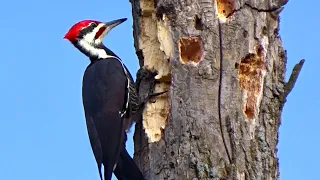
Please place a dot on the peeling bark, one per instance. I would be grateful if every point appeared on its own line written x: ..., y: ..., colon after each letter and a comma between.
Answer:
x: 224, y: 65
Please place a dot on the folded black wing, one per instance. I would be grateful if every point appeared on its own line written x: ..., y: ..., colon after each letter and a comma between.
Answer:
x: 133, y: 100
x: 104, y: 92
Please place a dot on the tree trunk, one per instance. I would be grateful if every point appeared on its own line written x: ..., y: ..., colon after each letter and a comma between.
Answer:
x: 224, y: 66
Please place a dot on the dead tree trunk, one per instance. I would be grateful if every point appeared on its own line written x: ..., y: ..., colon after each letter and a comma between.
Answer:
x: 224, y: 65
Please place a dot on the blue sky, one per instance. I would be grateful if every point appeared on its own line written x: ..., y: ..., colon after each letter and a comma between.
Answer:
x: 43, y: 134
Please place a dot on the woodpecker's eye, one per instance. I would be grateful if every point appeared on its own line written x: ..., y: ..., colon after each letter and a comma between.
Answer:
x: 87, y: 29
x: 93, y: 24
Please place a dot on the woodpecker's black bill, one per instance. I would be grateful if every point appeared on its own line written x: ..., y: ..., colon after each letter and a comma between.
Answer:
x: 114, y: 23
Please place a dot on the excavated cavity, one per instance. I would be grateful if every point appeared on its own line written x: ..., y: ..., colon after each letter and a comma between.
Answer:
x: 190, y: 49
x: 156, y: 47
x: 197, y: 23
x: 252, y: 70
x: 225, y: 8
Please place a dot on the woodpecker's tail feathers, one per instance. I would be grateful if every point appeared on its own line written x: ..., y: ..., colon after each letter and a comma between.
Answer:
x: 100, y: 173
x: 126, y: 168
x: 108, y: 169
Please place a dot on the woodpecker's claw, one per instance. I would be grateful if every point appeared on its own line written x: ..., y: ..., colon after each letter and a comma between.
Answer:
x: 150, y: 96
x: 157, y: 94
x: 153, y: 95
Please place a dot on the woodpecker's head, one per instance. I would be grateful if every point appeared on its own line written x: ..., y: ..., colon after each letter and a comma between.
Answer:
x: 87, y: 36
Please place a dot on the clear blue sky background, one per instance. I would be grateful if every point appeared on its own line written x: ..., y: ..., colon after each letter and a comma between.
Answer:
x: 43, y: 134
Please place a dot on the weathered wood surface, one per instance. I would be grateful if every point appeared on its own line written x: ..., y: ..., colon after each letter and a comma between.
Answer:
x: 180, y: 136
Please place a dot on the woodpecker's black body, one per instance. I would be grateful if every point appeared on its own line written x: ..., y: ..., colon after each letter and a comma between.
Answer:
x: 109, y: 99
x: 105, y: 95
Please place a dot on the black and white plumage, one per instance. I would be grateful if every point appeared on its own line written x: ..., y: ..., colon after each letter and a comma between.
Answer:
x: 109, y: 99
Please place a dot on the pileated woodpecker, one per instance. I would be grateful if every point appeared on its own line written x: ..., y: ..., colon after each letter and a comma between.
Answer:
x: 109, y: 98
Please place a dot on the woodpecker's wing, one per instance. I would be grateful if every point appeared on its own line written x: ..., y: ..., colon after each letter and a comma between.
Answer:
x: 95, y: 143
x: 104, y: 93
x: 134, y: 101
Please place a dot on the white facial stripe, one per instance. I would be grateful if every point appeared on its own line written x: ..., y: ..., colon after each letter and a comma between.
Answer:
x: 100, y: 53
x: 89, y: 37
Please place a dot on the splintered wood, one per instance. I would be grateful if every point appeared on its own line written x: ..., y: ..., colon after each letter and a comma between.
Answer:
x: 157, y: 48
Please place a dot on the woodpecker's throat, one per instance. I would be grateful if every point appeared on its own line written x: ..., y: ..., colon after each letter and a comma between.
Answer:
x: 93, y: 51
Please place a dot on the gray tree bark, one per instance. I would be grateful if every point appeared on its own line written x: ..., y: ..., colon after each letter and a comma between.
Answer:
x: 224, y: 66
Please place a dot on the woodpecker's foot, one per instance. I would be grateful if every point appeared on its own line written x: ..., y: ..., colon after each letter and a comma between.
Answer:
x: 157, y: 94
x: 150, y: 95
x: 144, y: 74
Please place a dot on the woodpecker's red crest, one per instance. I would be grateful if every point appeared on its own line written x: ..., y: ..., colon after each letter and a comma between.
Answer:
x: 75, y: 30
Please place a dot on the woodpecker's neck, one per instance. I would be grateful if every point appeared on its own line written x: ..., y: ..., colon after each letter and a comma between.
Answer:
x: 94, y: 51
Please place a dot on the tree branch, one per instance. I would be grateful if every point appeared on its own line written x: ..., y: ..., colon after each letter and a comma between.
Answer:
x: 293, y: 78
